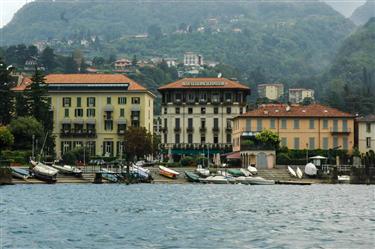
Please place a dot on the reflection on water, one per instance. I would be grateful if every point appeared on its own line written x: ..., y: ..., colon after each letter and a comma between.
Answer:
x: 187, y: 216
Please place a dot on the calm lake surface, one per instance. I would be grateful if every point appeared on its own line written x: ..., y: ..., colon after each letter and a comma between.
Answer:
x: 187, y: 216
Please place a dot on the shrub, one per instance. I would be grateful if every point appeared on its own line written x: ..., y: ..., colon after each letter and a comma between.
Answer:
x: 173, y: 165
x: 187, y: 161
x: 17, y: 156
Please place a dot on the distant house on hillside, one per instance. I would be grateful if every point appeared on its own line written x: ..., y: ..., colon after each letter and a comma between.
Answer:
x: 193, y: 59
x: 122, y: 64
x: 297, y: 95
x: 272, y: 91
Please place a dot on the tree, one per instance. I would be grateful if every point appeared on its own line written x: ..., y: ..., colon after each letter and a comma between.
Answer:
x: 48, y: 60
x: 23, y: 129
x: 6, y: 138
x: 134, y: 61
x: 70, y: 65
x: 22, y: 107
x: 138, y: 142
x: 154, y: 32
x: 268, y: 137
x: 98, y: 61
x: 307, y: 101
x: 6, y: 96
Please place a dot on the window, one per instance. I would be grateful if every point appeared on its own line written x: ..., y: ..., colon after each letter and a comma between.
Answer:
x: 203, y: 123
x: 177, y: 110
x: 272, y: 123
x: 190, y: 110
x: 122, y: 100
x: 345, y: 125
x: 165, y: 123
x: 78, y: 112
x: 325, y: 143
x: 165, y: 138
x: 216, y: 110
x: 259, y: 124
x: 165, y: 110
x: 284, y: 142
x: 178, y: 97
x: 312, y: 143
x: 368, y: 127
x: 177, y: 123
x: 90, y: 101
x: 203, y: 110
x: 66, y: 113
x: 335, y: 141
x: 228, y: 97
x: 67, y: 102
x: 190, y: 123
x: 215, y: 98
x: 296, y: 143
x: 335, y: 125
x: 283, y: 123
x: 177, y: 138
x: 229, y: 110
x: 216, y: 139
x: 345, y: 144
x: 203, y: 139
x: 229, y: 138
x: 368, y: 142
x: 109, y: 100
x: 248, y: 124
x: 229, y: 123
x: 241, y: 110
x: 90, y: 112
x: 191, y: 97
x: 136, y: 100
x: 79, y: 102
x: 203, y: 97
x: 122, y: 112
x: 296, y: 123
x: 190, y: 138
x: 325, y: 123
x: 216, y: 123
x: 108, y: 125
x: 312, y: 124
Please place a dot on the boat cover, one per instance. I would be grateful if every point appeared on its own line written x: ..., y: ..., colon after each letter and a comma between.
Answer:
x: 310, y: 169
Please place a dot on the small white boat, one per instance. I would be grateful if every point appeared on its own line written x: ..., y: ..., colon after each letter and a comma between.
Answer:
x: 20, y: 173
x: 45, y: 173
x: 137, y: 167
x: 216, y: 180
x: 292, y: 172
x: 310, y: 169
x: 246, y: 172
x: 260, y: 181
x: 299, y: 173
x: 167, y: 172
x: 67, y: 169
x: 202, y: 171
x: 343, y: 179
x: 252, y: 170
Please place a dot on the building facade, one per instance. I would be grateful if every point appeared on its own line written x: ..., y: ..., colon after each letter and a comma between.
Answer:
x: 196, y: 114
x: 271, y: 91
x: 366, y: 133
x: 193, y: 59
x: 94, y: 110
x: 297, y: 95
x: 299, y: 127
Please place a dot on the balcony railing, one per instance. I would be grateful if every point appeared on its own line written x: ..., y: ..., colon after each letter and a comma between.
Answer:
x: 202, y: 129
x: 177, y: 129
x: 256, y: 147
x: 228, y: 129
x: 78, y: 133
x: 216, y: 129
x: 190, y: 129
x: 340, y: 131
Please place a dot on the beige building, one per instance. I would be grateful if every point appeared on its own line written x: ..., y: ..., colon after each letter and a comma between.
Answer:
x: 271, y: 91
x: 196, y: 114
x: 366, y: 133
x: 193, y: 59
x: 94, y: 110
x: 297, y: 95
x: 299, y: 127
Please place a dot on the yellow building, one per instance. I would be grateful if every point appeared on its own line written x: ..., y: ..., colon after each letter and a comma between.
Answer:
x: 271, y: 91
x: 94, y: 110
x: 299, y: 127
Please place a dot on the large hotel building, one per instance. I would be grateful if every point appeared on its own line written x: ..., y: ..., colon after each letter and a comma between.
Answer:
x: 93, y: 110
x: 197, y: 113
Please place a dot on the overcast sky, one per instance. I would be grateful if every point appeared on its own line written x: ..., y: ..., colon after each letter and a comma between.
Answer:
x: 9, y: 7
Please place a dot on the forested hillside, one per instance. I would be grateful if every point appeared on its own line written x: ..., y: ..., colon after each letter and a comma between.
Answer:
x: 351, y: 78
x: 363, y: 13
x: 284, y: 41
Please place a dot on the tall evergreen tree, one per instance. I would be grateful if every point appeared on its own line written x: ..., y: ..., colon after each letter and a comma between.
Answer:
x: 6, y: 103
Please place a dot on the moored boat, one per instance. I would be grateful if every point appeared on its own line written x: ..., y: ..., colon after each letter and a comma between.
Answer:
x: 252, y: 170
x: 202, y: 171
x: 245, y: 172
x: 343, y: 179
x: 20, y: 173
x: 292, y: 172
x: 45, y: 173
x: 216, y: 180
x: 67, y: 169
x: 109, y: 176
x: 299, y: 173
x: 191, y: 177
x: 235, y: 172
x: 260, y: 181
x: 311, y: 170
x: 170, y: 173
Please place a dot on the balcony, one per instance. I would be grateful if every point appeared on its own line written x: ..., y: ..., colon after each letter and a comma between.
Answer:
x: 177, y: 129
x: 228, y: 129
x: 121, y: 132
x: 190, y: 129
x: 215, y: 129
x: 202, y: 129
x: 164, y: 129
x: 91, y: 133
x: 336, y: 131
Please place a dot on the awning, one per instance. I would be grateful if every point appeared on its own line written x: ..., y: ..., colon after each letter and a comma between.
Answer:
x: 234, y: 155
x: 90, y: 121
x: 78, y: 121
x: 66, y: 121
x: 121, y: 121
x: 108, y: 108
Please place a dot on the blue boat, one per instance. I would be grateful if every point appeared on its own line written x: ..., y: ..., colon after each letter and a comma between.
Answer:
x: 109, y: 176
x: 20, y: 173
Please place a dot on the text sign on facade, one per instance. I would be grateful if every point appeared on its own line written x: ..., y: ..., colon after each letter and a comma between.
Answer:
x: 203, y: 83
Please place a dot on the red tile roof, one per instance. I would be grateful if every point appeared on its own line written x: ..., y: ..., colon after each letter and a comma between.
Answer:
x: 368, y: 118
x: 85, y: 79
x: 282, y: 110
x: 209, y: 83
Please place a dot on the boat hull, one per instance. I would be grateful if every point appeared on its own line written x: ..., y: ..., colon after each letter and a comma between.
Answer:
x: 67, y: 170
x: 169, y: 173
x: 191, y: 177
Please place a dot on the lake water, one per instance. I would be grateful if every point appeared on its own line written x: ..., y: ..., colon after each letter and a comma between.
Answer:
x: 187, y: 216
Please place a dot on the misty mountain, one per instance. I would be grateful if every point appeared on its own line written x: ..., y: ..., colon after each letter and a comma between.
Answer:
x: 363, y: 13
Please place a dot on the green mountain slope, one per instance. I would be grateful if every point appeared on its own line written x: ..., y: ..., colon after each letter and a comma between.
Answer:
x: 352, y: 74
x: 286, y: 40
x: 363, y: 13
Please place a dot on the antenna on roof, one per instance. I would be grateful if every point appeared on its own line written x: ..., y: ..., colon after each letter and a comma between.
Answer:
x: 219, y: 75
